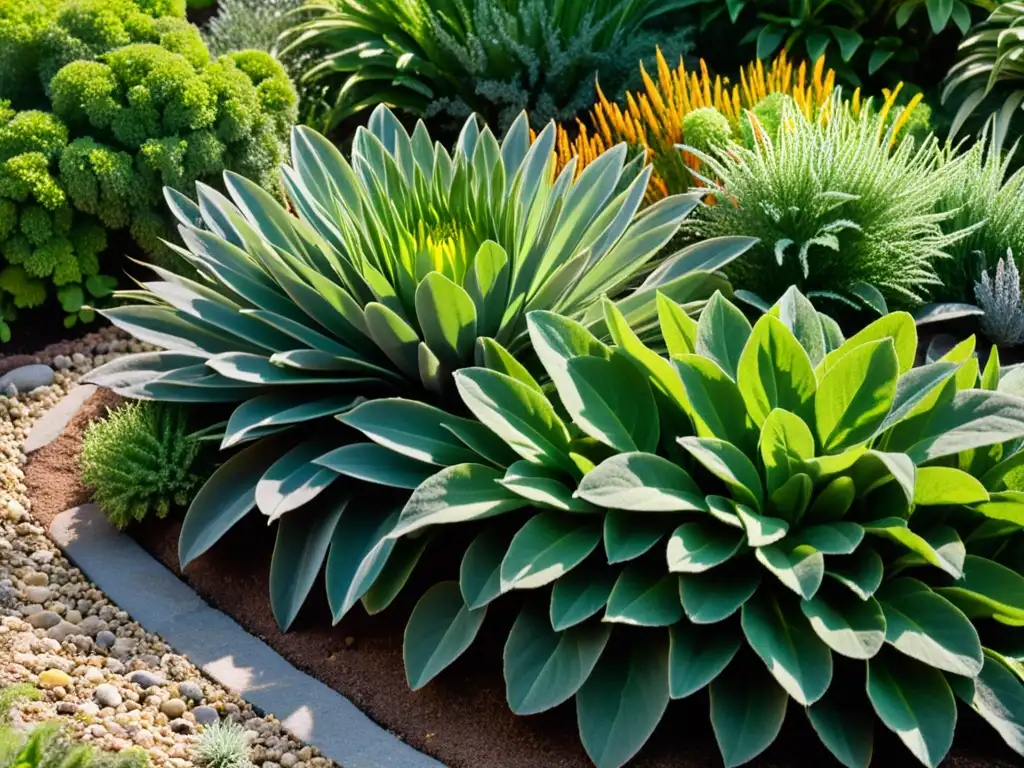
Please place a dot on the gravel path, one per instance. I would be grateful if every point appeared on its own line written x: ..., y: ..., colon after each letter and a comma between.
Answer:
x: 110, y: 683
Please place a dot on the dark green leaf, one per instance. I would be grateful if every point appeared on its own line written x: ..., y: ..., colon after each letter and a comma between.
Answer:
x: 440, y: 629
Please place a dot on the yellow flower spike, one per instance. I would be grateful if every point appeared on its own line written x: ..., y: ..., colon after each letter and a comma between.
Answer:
x: 664, y: 74
x: 897, y: 126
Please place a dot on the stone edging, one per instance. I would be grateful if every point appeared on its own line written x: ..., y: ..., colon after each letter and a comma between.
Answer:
x: 166, y: 606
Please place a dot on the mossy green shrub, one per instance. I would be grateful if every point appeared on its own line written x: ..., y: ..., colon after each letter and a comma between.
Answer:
x: 106, y: 103
x: 46, y: 746
x: 141, y: 460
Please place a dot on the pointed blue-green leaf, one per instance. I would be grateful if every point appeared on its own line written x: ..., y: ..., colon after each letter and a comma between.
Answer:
x: 395, y: 337
x: 860, y: 572
x: 855, y: 395
x: 644, y: 597
x: 996, y: 694
x: 542, y: 486
x: 798, y: 314
x: 722, y: 332
x: 447, y: 319
x: 988, y: 590
x: 376, y: 464
x: 775, y: 372
x: 697, y: 655
x: 726, y: 462
x: 939, y: 546
x: 293, y: 479
x: 440, y: 629
x: 641, y: 482
x: 579, y: 594
x: 785, y: 444
x: 747, y: 710
x: 628, y: 535
x: 359, y: 550
x: 973, y: 419
x: 715, y: 404
x: 800, y: 568
x: 761, y: 530
x: 696, y: 547
x: 848, y: 625
x: 394, y: 575
x: 707, y: 601
x: 846, y: 729
x: 549, y: 545
x: 841, y: 538
x: 480, y: 572
x: 411, y: 428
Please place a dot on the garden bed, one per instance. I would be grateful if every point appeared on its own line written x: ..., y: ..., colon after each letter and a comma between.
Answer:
x: 461, y: 718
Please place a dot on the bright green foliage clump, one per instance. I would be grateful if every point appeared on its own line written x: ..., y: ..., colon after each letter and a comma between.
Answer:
x: 14, y: 694
x: 223, y: 745
x: 141, y: 460
x: 393, y: 268
x: 834, y: 205
x: 45, y: 746
x: 706, y: 129
x: 771, y: 513
x: 768, y: 113
x: 494, y: 57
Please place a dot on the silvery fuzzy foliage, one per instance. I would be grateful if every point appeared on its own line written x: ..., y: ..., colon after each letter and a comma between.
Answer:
x: 999, y: 297
x: 522, y: 58
x: 223, y: 745
x: 243, y: 24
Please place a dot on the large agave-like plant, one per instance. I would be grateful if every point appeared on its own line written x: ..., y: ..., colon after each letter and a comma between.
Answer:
x: 775, y: 514
x: 381, y: 284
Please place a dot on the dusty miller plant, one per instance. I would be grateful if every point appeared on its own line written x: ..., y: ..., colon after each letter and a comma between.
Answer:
x: 999, y: 296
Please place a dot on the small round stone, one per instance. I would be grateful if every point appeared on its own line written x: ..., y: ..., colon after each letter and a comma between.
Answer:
x: 52, y: 678
x: 191, y: 691
x: 181, y: 726
x: 145, y: 679
x: 44, y: 619
x: 107, y: 695
x: 205, y: 715
x: 61, y: 631
x: 35, y: 578
x: 105, y: 639
x: 39, y: 595
x: 174, y: 708
x: 73, y: 616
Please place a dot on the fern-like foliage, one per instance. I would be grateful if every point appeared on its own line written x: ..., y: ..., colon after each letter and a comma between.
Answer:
x: 833, y: 204
x: 987, y: 199
x: 141, y: 460
x: 46, y: 746
x: 223, y: 745
x: 999, y: 297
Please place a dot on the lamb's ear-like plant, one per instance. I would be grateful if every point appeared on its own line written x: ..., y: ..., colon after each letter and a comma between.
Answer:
x: 999, y: 298
x: 392, y: 269
x: 767, y: 507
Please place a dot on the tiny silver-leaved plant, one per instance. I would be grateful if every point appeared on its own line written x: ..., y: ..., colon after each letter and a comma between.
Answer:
x: 999, y: 297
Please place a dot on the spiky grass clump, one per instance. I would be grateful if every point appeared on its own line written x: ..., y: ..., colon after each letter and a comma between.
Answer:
x: 654, y: 119
x: 223, y: 745
x: 140, y: 461
x: 833, y: 205
x: 982, y: 195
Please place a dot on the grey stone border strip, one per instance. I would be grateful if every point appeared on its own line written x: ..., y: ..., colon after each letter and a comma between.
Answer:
x: 52, y: 423
x: 166, y: 606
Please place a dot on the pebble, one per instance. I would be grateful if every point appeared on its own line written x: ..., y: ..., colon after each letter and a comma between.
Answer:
x: 174, y: 708
x: 39, y: 595
x: 53, y: 678
x: 190, y: 691
x: 107, y: 695
x: 205, y: 715
x: 44, y: 619
x: 124, y: 646
x: 73, y: 617
x: 28, y: 377
x: 145, y: 679
x: 94, y: 676
x: 35, y: 578
x: 62, y: 631
x: 105, y: 639
x: 89, y: 709
x: 181, y: 726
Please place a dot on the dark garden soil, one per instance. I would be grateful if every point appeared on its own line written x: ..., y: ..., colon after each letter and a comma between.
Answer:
x: 461, y: 718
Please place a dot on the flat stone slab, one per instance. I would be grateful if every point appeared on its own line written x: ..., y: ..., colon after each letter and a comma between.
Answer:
x: 52, y: 424
x: 166, y: 606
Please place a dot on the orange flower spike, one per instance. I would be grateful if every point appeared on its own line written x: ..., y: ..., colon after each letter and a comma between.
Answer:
x: 706, y: 82
x: 664, y: 73
x: 652, y: 90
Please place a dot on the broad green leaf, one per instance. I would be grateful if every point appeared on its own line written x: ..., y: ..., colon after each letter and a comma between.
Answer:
x: 929, y: 628
x: 972, y: 420
x: 914, y: 389
x: 395, y: 337
x: 726, y: 462
x: 622, y: 702
x: 578, y: 595
x: 747, y: 710
x: 544, y: 668
x: 454, y: 495
x: 522, y: 417
x: 848, y: 625
x: 491, y: 355
x: 873, y: 469
x: 915, y: 702
x: 557, y: 339
x: 798, y: 314
x: 479, y: 574
x: 359, y: 550
x: 697, y: 655
x: 840, y: 538
x: 610, y: 400
x: 486, y: 283
x: 627, y: 535
x: 707, y: 601
x: 299, y: 550
x: 898, y: 326
x: 376, y: 464
x: 946, y: 485
x: 697, y: 547
x: 440, y: 629
x: 549, y: 545
x: 846, y: 730
x: 775, y: 372
x: 542, y: 486
x: 254, y: 416
x: 761, y: 530
x: 1007, y: 506
x: 394, y: 575
x: 786, y: 443
x: 644, y: 597
x: 793, y: 498
x: 861, y: 572
x: 998, y: 696
x: 724, y: 510
x: 936, y: 548
x: 990, y: 375
x: 833, y: 502
x: 677, y: 328
x: 988, y: 590
x: 795, y: 656
x: 715, y: 407
x: 800, y: 568
x: 293, y: 480
x: 227, y: 497
x: 411, y: 428
x: 641, y: 482
x: 855, y: 395
x: 722, y: 332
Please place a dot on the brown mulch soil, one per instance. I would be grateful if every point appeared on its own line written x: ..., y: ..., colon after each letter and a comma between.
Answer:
x: 461, y: 718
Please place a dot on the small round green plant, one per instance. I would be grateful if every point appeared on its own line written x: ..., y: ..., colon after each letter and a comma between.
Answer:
x: 223, y: 745
x: 706, y: 129
x: 140, y: 461
x: 768, y: 113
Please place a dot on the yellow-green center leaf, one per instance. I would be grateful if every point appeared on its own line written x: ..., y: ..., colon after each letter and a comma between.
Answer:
x: 855, y: 395
x: 775, y: 372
